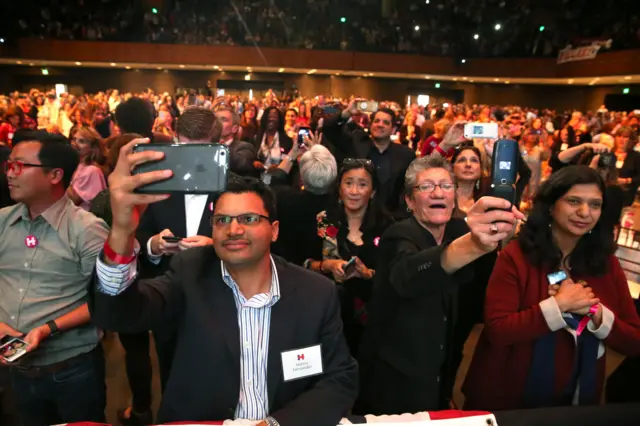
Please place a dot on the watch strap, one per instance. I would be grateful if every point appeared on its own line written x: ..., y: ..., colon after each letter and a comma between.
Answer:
x: 271, y: 421
x: 53, y: 327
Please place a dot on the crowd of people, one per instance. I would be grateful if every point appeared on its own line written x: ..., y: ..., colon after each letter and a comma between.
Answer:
x: 338, y: 275
x: 462, y: 28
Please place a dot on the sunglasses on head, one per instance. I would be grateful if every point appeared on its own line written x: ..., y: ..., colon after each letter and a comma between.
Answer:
x: 357, y: 162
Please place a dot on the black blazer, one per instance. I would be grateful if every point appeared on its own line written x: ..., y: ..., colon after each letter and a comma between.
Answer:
x: 349, y: 140
x: 168, y: 214
x: 406, y: 349
x: 631, y: 169
x: 204, y: 380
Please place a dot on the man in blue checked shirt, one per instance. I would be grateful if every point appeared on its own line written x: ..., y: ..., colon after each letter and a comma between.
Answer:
x: 258, y: 338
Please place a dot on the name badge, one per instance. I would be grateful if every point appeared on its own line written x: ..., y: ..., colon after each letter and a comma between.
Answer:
x: 564, y: 146
x: 299, y: 363
x: 619, y: 164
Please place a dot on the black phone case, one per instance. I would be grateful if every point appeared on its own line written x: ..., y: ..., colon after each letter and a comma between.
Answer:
x: 197, y: 168
x: 504, y: 170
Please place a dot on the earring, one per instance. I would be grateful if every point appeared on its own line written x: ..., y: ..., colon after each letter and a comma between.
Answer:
x: 408, y: 209
x: 478, y: 184
x: 339, y: 200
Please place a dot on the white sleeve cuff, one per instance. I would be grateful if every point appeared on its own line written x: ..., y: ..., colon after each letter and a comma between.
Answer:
x: 114, y: 279
x: 603, y: 331
x: 153, y: 258
x: 552, y: 315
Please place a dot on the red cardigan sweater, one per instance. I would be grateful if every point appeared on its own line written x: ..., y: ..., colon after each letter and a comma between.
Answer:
x: 514, y: 321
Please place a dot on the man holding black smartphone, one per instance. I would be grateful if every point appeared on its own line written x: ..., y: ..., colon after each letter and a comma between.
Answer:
x: 245, y: 347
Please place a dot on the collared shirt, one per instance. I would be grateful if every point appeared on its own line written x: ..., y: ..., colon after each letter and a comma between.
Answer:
x: 254, y: 321
x: 49, y: 279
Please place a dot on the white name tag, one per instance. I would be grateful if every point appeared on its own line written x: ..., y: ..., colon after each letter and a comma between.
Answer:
x: 299, y: 363
x: 619, y: 164
x: 564, y: 146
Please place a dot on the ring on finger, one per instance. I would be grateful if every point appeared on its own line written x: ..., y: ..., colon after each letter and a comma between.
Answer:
x: 493, y: 228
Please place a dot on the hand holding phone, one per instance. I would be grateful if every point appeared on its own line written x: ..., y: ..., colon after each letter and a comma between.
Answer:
x: 504, y: 170
x: 303, y: 132
x: 481, y: 130
x: 12, y: 348
x: 164, y: 243
x: 350, y: 269
x: 367, y: 106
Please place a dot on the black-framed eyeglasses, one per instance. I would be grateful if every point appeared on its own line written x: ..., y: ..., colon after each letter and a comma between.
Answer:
x: 17, y: 166
x: 247, y: 219
x: 357, y: 162
x: 429, y: 187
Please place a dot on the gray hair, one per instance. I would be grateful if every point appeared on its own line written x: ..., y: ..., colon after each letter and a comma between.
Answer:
x: 433, y: 161
x: 318, y: 170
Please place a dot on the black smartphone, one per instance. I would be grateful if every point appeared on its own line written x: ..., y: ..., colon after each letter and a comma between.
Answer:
x: 350, y: 268
x: 504, y: 170
x: 302, y: 132
x: 170, y: 239
x: 198, y: 168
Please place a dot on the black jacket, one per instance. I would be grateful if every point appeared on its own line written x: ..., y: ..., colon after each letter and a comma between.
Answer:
x: 204, y: 380
x: 405, y: 355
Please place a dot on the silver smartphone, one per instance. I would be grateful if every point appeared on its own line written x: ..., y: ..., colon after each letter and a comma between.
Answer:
x: 481, y: 131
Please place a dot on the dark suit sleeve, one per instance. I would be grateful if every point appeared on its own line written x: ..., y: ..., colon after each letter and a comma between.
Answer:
x: 145, y: 305
x: 332, y: 396
x: 338, y: 132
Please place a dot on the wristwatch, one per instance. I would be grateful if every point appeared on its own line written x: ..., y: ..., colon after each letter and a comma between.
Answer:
x: 53, y: 327
x: 271, y: 421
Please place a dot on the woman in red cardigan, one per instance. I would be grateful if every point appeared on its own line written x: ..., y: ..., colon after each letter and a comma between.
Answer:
x: 542, y: 344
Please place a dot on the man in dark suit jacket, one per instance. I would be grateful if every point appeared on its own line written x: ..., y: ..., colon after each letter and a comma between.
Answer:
x: 390, y: 159
x: 258, y: 338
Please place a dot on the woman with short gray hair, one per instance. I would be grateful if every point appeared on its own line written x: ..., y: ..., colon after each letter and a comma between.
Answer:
x: 405, y: 355
x: 318, y: 170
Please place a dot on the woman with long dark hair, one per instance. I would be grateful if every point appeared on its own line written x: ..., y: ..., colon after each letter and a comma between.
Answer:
x: 557, y: 296
x: 467, y: 168
x: 272, y: 139
x: 249, y: 123
x: 350, y: 229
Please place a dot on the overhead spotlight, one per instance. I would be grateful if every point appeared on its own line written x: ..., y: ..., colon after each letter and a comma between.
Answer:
x: 45, y: 71
x: 437, y: 85
x: 464, y: 61
x: 281, y: 70
x: 181, y: 66
x: 476, y: 36
x: 78, y: 63
x: 215, y: 67
x: 427, y: 77
x: 19, y: 62
x: 427, y: 2
x: 626, y: 91
x: 127, y: 67
x: 312, y: 71
x: 154, y: 11
x: 628, y: 77
x: 1, y: 40
x: 541, y: 29
x: 570, y: 81
x: 417, y: 28
x: 464, y: 78
x: 507, y: 82
x: 343, y: 19
x: 113, y: 64
x: 497, y: 27
x: 247, y: 77
x: 496, y: 79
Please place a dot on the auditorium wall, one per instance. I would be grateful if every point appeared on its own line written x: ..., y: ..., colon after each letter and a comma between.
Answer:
x: 92, y: 80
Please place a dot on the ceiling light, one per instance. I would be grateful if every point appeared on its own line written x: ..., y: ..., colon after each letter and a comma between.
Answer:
x: 463, y: 61
x: 497, y: 27
x: 464, y: 78
x: 181, y: 66
x: 476, y: 36
x: 45, y: 71
x: 78, y: 63
x: 159, y: 68
x: 417, y: 28
x: 312, y: 71
x: 541, y: 29
x: 427, y: 77
x: 1, y: 40
x: 455, y: 79
x: 471, y: 81
x: 437, y: 85
x: 343, y: 19
x: 507, y: 82
x: 19, y: 62
x: 215, y: 67
x: 31, y: 64
x: 247, y: 77
x: 113, y: 64
x: 496, y: 79
x: 281, y: 70
x: 628, y: 77
x: 370, y: 74
x: 626, y: 91
x: 128, y: 67
x: 570, y: 81
x: 427, y: 2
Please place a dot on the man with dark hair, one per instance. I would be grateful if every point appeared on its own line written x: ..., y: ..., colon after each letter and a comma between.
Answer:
x: 136, y: 115
x: 390, y: 159
x: 48, y: 251
x: 258, y: 338
x: 198, y: 125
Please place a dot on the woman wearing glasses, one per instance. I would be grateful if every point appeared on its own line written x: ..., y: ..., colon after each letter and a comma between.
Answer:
x: 405, y: 355
x: 350, y: 230
x: 556, y: 298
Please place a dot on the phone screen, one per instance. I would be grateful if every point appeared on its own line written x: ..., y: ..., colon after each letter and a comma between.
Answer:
x: 12, y: 348
x: 302, y: 132
x: 350, y: 268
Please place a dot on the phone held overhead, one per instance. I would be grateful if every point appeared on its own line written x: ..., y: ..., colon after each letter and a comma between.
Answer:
x: 504, y: 170
x: 198, y: 168
x: 481, y: 130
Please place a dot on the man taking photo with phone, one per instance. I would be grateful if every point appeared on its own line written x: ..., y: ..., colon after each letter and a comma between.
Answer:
x: 252, y: 342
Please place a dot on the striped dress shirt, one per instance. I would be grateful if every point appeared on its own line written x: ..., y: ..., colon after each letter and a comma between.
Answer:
x: 254, y: 321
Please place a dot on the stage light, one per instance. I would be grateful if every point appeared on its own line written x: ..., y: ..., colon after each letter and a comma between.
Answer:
x: 464, y: 61
x: 45, y: 71
x: 626, y: 90
x: 437, y: 85
x: 343, y: 19
x: 1, y: 40
x: 541, y: 28
x: 476, y: 36
x: 497, y: 27
x: 417, y: 28
x: 154, y: 10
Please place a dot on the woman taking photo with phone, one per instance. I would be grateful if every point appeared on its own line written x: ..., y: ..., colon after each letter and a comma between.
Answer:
x: 350, y: 230
x: 544, y: 340
x: 406, y: 350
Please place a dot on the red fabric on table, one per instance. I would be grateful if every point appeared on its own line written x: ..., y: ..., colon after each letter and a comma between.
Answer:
x: 455, y: 414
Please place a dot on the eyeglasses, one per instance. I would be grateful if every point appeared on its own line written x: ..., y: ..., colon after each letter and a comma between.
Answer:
x: 17, y: 166
x: 247, y: 219
x: 429, y: 187
x: 357, y: 162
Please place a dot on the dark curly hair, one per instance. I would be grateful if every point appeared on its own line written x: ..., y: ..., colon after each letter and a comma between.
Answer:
x: 591, y: 254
